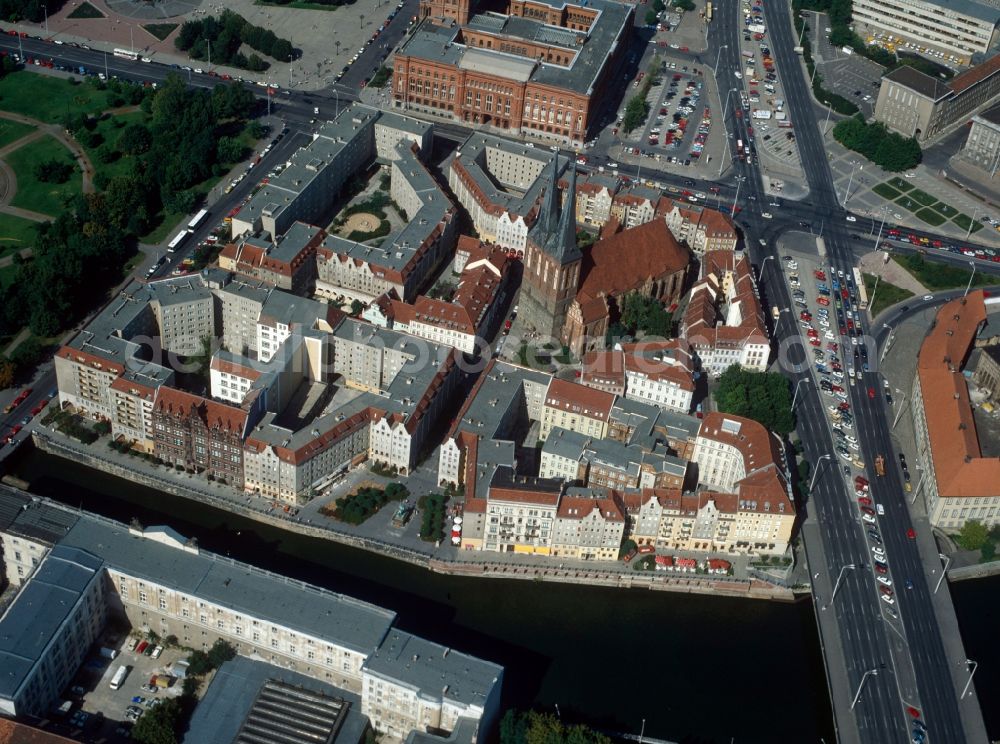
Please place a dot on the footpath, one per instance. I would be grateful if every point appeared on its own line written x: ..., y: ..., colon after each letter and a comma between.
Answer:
x: 438, y: 559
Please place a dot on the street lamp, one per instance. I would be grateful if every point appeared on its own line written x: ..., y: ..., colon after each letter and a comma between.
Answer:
x: 840, y: 577
x: 900, y: 411
x: 871, y: 300
x: 864, y: 678
x: 828, y: 112
x: 816, y: 471
x: 717, y: 56
x: 973, y: 276
x: 850, y: 182
x: 795, y: 395
x: 975, y: 666
x: 920, y: 482
x: 947, y: 562
x: 972, y: 222
x: 760, y: 269
x: 739, y: 185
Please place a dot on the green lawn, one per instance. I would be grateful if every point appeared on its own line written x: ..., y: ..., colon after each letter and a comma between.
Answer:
x: 16, y: 233
x: 12, y: 131
x: 899, y: 184
x: 936, y: 275
x: 110, y: 129
x: 160, y: 30
x: 886, y: 191
x: 963, y: 220
x: 46, y: 198
x: 922, y: 197
x: 86, y: 10
x: 907, y: 203
x: 931, y: 217
x: 946, y: 209
x: 886, y: 296
x: 7, y: 275
x: 47, y: 98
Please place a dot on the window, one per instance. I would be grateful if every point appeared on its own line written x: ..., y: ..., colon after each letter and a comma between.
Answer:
x: 143, y: 598
x: 163, y: 603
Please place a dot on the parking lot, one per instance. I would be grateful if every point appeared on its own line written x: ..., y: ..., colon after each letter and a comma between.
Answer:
x: 760, y: 93
x: 103, y: 713
x: 850, y: 75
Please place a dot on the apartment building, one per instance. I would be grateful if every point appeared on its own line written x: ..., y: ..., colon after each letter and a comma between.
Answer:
x: 408, y: 257
x: 159, y: 581
x: 198, y: 433
x: 704, y: 230
x: 724, y: 321
x: 520, y: 513
x: 589, y: 525
x: 574, y: 407
x: 468, y: 319
x: 959, y: 482
x: 729, y: 448
x: 304, y: 191
x: 918, y: 105
x: 27, y: 533
x: 657, y: 372
x: 957, y: 29
x: 288, y: 262
x: 535, y: 69
x: 982, y: 147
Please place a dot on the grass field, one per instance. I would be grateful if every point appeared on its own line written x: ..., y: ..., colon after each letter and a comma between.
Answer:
x: 922, y: 197
x: 86, y: 10
x: 963, y: 220
x: 907, y: 203
x: 33, y: 194
x: 946, y: 209
x: 160, y: 30
x: 12, y: 131
x: 48, y: 99
x: 936, y: 275
x: 886, y: 296
x: 899, y: 184
x: 931, y: 217
x: 886, y: 191
x: 16, y: 233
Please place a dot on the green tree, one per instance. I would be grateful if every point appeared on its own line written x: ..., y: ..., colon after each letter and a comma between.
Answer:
x: 54, y: 171
x: 636, y: 112
x: 765, y: 397
x: 135, y: 139
x: 159, y: 725
x: 230, y: 149
x: 6, y: 374
x: 988, y: 552
x: 973, y: 535
x: 357, y: 307
x: 221, y: 652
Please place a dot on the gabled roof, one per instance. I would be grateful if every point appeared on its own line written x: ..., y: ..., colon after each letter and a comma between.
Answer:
x: 579, y: 399
x: 557, y: 237
x: 215, y: 415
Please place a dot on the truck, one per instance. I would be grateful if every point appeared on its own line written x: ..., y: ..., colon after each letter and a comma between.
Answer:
x: 880, y: 465
x: 108, y: 653
x: 761, y: 114
x: 757, y: 28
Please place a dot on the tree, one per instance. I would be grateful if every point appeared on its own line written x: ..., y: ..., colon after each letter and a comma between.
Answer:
x: 221, y: 652
x: 988, y: 552
x: 636, y: 112
x: 229, y: 149
x: 973, y: 535
x: 54, y: 171
x: 135, y: 139
x: 6, y: 374
x: 357, y: 307
x: 535, y: 727
x: 159, y: 725
x: 396, y: 492
x: 765, y: 397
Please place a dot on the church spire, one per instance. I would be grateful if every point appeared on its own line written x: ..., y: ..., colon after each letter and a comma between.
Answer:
x: 564, y: 236
x: 547, y: 217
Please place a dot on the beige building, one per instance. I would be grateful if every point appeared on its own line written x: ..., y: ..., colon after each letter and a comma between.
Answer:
x: 982, y: 147
x: 657, y: 372
x: 918, y: 105
x: 703, y: 229
x: 987, y: 374
x: 575, y: 407
x: 957, y: 29
x: 590, y: 525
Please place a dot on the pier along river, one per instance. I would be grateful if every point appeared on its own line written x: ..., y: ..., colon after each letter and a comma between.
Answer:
x: 696, y: 668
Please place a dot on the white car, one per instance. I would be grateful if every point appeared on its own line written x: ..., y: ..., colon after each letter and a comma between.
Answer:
x: 887, y: 599
x: 767, y: 216
x: 877, y: 550
x: 851, y: 218
x: 738, y: 74
x: 868, y: 518
x: 828, y: 335
x: 911, y: 174
x: 928, y: 298
x: 852, y: 445
x: 852, y: 440
x: 846, y: 456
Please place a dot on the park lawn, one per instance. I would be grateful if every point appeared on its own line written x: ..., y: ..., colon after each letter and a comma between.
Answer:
x: 922, y: 197
x: 887, y: 295
x: 109, y: 129
x: 160, y: 30
x: 963, y: 220
x: 931, y: 217
x: 47, y: 198
x: 946, y: 209
x: 936, y: 275
x: 49, y: 99
x: 886, y: 191
x: 7, y: 275
x: 16, y: 233
x: 86, y: 10
x: 12, y: 131
x: 899, y: 184
x: 907, y: 203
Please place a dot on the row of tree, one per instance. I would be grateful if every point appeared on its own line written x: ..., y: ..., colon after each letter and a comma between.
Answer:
x: 765, y: 397
x: 78, y: 256
x: 890, y: 151
x: 220, y: 39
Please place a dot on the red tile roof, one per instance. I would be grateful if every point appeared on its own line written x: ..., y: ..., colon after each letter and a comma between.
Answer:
x: 757, y: 445
x: 580, y: 507
x: 959, y: 466
x: 235, y: 368
x: 975, y: 74
x: 701, y: 323
x: 215, y: 415
x: 19, y: 733
x: 579, y: 399
x: 123, y: 385
x: 90, y: 360
x: 627, y: 260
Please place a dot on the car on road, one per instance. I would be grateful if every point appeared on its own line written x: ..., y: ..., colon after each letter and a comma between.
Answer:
x: 911, y: 534
x: 767, y: 216
x: 928, y: 298
x: 885, y: 580
x: 871, y: 393
x: 880, y: 569
x: 851, y: 218
x: 888, y: 599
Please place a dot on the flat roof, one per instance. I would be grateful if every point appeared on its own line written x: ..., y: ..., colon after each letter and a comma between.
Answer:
x: 434, y: 671
x: 38, y: 611
x: 30, y: 517
x: 919, y: 82
x: 969, y: 8
x: 242, y: 588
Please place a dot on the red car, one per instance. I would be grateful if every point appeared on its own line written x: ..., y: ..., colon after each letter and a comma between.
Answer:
x: 911, y: 534
x: 885, y: 590
x: 141, y: 647
x: 879, y: 568
x: 864, y: 500
x: 867, y: 510
x: 684, y: 49
x: 805, y: 315
x: 815, y: 342
x: 823, y: 301
x: 860, y: 481
x: 845, y: 406
x: 871, y: 393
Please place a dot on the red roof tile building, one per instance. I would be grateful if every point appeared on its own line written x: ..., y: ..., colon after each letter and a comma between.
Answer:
x: 959, y: 482
x: 703, y: 229
x: 657, y: 372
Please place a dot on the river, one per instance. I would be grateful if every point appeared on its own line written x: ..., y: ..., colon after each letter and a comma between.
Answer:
x: 696, y: 668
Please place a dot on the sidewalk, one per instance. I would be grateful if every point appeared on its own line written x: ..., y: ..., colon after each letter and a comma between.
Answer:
x: 890, y: 271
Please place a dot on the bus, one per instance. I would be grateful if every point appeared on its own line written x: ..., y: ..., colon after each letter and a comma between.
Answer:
x: 197, y: 219
x: 708, y: 12
x: 127, y: 54
x: 119, y: 677
x: 178, y: 241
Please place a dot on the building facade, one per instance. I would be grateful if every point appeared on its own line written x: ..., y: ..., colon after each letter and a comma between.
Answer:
x: 982, y: 147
